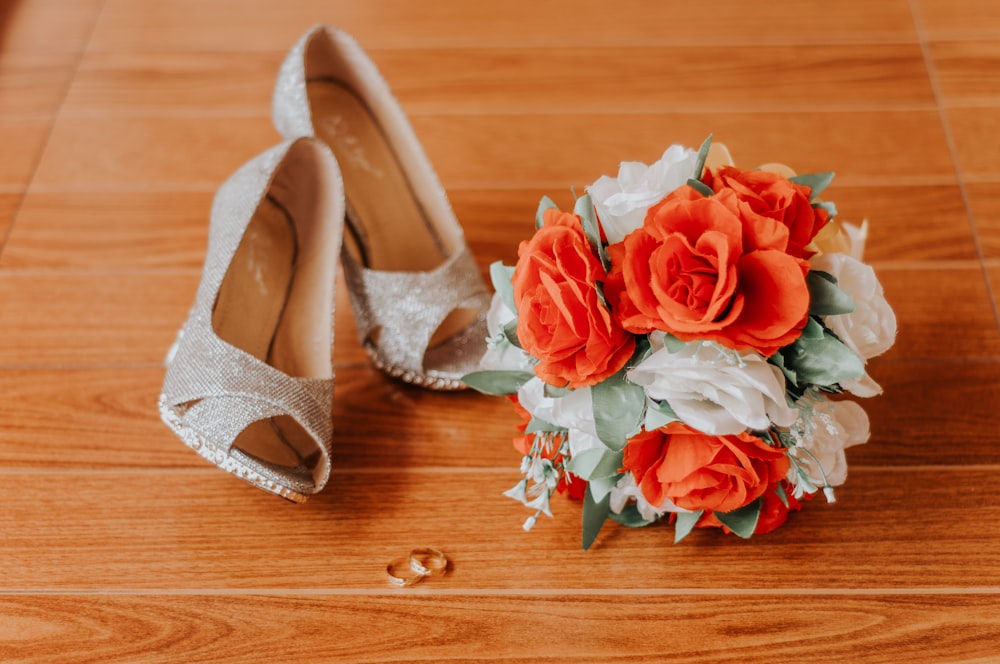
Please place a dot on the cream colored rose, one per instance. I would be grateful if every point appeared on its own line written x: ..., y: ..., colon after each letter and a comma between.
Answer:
x: 622, y: 202
x: 870, y: 329
x: 717, y: 391
x: 824, y: 431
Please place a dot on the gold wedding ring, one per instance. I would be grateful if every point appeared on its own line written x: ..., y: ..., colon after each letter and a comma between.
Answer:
x: 427, y: 560
x: 401, y: 573
x: 422, y: 562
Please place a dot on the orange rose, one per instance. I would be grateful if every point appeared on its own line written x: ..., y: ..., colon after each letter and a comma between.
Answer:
x: 773, y: 512
x: 701, y: 472
x: 776, y: 212
x: 561, y: 320
x: 688, y: 271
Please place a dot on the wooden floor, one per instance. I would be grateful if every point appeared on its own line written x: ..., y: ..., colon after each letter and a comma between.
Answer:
x: 119, y: 118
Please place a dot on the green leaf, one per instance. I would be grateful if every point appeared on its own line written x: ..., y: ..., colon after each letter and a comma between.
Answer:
x: 779, y: 491
x: 501, y: 276
x: 584, y: 208
x: 553, y: 392
x: 510, y: 332
x: 699, y: 164
x: 497, y: 383
x: 742, y: 521
x: 545, y: 204
x: 595, y: 513
x: 630, y: 517
x: 830, y: 208
x: 822, y: 361
x: 618, y: 409
x: 817, y: 182
x: 659, y: 414
x: 602, y: 486
x: 825, y: 297
x: 700, y: 187
x: 595, y: 463
x: 685, y: 523
x: 538, y: 425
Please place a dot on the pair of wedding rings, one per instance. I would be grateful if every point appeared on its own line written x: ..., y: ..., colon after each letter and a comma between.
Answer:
x: 421, y: 563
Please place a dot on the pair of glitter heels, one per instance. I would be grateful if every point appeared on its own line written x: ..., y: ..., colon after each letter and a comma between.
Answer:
x: 249, y: 381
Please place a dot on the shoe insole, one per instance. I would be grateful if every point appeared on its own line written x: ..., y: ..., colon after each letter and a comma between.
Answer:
x: 248, y: 311
x: 394, y: 233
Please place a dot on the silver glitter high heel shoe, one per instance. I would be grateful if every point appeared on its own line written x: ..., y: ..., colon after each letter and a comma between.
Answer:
x: 418, y: 298
x: 249, y: 381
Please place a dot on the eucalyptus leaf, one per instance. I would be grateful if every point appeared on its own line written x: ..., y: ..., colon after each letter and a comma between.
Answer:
x: 538, y: 425
x: 778, y: 360
x: 742, y: 521
x: 659, y: 414
x: 685, y: 523
x: 779, y: 491
x: 595, y: 463
x: 630, y: 517
x: 595, y: 513
x: 618, y: 409
x: 830, y: 208
x: 553, y: 392
x: 584, y: 208
x: 825, y: 297
x: 545, y: 204
x: 501, y: 276
x: 510, y: 332
x: 700, y: 187
x: 602, y: 486
x: 824, y: 361
x: 816, y: 182
x: 699, y: 164
x: 497, y: 383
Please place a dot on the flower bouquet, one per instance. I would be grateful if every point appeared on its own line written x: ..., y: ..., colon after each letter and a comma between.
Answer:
x: 676, y: 346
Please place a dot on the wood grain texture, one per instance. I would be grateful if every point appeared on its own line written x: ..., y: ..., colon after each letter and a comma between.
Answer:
x: 877, y: 628
x: 201, y: 529
x: 120, y: 118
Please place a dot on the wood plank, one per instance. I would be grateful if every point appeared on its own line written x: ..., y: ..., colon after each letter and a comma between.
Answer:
x: 23, y: 138
x: 967, y: 72
x: 931, y: 413
x: 671, y: 78
x: 942, y: 313
x: 482, y: 628
x: 9, y: 204
x: 560, y: 151
x: 48, y: 26
x: 207, y: 530
x: 110, y: 230
x: 536, y: 80
x: 984, y: 203
x: 519, y: 151
x: 972, y: 19
x: 190, y: 25
x: 141, y: 153
x: 213, y: 82
x: 34, y: 82
x: 976, y: 134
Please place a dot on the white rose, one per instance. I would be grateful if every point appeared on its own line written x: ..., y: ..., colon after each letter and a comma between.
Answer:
x: 825, y: 430
x: 574, y: 412
x: 501, y: 354
x: 716, y: 390
x: 622, y: 202
x: 870, y: 329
